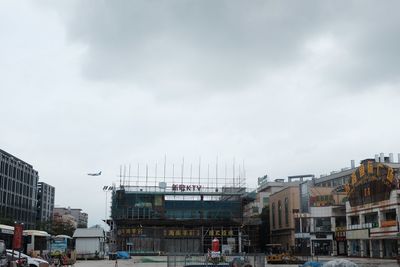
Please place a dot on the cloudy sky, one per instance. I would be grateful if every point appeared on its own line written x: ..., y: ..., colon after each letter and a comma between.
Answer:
x: 287, y: 87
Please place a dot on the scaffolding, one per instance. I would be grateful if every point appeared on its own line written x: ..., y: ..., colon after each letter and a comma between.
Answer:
x: 160, y: 214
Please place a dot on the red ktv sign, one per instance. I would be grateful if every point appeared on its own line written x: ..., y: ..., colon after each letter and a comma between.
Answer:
x: 183, y: 187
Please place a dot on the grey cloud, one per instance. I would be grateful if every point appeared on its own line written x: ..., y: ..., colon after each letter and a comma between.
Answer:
x: 217, y: 44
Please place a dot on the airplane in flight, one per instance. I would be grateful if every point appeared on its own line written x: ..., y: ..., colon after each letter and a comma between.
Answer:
x: 94, y: 174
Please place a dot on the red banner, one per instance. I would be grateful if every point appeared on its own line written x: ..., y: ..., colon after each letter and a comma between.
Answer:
x: 17, y: 240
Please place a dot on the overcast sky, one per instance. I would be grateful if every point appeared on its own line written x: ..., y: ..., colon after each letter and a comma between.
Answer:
x: 288, y: 87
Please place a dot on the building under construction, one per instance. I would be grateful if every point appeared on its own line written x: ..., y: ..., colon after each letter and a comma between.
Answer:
x: 177, y: 217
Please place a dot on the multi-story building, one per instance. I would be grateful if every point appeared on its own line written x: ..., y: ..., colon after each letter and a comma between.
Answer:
x: 352, y: 212
x: 322, y: 198
x: 265, y: 190
x: 75, y: 217
x: 283, y: 205
x: 45, y: 202
x: 18, y: 189
x: 373, y: 209
x: 178, y: 218
x: 327, y: 213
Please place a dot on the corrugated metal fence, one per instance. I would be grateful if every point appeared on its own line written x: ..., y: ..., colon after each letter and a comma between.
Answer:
x: 182, y: 260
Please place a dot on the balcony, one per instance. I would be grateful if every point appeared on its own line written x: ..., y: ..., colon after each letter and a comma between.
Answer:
x: 388, y: 223
x: 363, y: 226
x: 324, y: 228
x: 302, y: 235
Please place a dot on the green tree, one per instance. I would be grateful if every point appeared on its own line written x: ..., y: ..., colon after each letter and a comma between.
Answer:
x: 265, y: 229
x: 60, y: 227
x: 6, y: 220
x: 44, y: 226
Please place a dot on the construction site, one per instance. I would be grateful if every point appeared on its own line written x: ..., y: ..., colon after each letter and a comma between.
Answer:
x: 179, y: 214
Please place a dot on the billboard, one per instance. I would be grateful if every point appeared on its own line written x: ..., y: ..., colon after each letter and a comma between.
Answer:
x: 17, y: 238
x: 371, y: 182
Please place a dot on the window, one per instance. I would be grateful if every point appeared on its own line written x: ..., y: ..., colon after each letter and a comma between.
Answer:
x: 354, y: 220
x: 323, y: 224
x: 280, y: 214
x: 390, y: 215
x: 286, y: 211
x: 273, y: 215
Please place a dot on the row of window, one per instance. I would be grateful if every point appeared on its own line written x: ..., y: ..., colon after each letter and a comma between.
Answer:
x: 388, y: 215
x: 286, y: 203
x: 11, y: 185
x: 334, y: 182
x: 10, y: 199
x: 28, y: 217
x: 21, y: 174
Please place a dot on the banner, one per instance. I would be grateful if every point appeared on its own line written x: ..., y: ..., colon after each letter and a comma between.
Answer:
x: 17, y: 239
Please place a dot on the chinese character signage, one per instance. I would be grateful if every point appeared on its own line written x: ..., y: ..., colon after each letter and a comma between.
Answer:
x: 130, y: 231
x: 182, y: 233
x: 321, y: 201
x: 218, y: 233
x: 17, y: 239
x: 183, y: 188
x: 371, y: 182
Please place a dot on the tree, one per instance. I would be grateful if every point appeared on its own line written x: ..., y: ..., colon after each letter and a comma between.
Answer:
x: 61, y: 227
x: 6, y: 220
x: 44, y: 226
x: 265, y: 229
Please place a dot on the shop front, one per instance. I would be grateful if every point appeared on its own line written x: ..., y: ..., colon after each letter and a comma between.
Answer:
x: 322, y: 244
x: 390, y: 248
x: 341, y: 244
x: 322, y: 247
x: 358, y: 243
x: 302, y: 246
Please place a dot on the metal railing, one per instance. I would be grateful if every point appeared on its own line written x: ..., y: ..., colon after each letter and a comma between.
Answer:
x: 182, y: 260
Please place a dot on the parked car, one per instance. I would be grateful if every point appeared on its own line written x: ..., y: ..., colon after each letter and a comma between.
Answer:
x: 3, y: 254
x: 31, y: 262
x: 20, y: 262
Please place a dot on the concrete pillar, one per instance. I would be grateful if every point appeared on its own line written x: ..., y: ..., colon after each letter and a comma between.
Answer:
x: 380, y: 248
x: 334, y: 248
x: 362, y: 248
x: 362, y: 219
x: 370, y: 248
x: 349, y: 247
x: 398, y: 247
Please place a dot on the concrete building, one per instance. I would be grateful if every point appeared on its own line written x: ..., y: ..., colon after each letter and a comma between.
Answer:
x: 283, y: 205
x: 319, y: 230
x: 354, y: 211
x: 45, y: 202
x: 18, y: 189
x: 74, y: 216
x: 90, y: 243
x: 319, y: 200
x: 265, y: 190
x: 373, y: 209
x: 178, y: 218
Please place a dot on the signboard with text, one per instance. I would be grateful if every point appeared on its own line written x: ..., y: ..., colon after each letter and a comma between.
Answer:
x: 17, y: 239
x: 371, y: 182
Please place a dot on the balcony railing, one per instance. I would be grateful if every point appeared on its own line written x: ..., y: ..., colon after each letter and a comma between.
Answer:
x: 388, y: 223
x: 362, y: 226
x: 323, y: 229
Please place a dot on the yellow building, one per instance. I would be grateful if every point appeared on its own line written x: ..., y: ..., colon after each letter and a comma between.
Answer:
x: 283, y: 204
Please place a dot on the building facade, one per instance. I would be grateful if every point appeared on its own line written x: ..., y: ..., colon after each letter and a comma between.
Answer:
x: 317, y: 229
x: 283, y: 205
x: 373, y: 209
x: 75, y: 217
x: 177, y: 218
x: 45, y: 202
x: 18, y: 190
